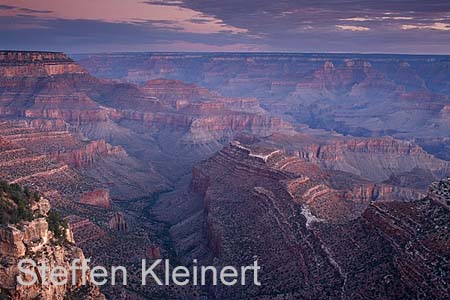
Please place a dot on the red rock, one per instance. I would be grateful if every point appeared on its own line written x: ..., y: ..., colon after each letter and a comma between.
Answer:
x: 118, y: 222
x: 154, y: 252
x: 260, y: 203
x: 98, y: 198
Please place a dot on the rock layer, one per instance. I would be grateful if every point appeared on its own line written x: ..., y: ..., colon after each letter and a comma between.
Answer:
x: 404, y: 96
x: 259, y: 203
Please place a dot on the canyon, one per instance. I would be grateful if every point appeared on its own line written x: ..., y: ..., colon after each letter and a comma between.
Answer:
x: 403, y: 96
x: 326, y: 168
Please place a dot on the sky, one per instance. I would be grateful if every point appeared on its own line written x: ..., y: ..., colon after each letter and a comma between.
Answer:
x: 83, y: 26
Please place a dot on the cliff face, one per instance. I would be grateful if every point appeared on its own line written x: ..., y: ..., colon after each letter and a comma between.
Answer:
x: 32, y: 239
x: 392, y: 243
x: 224, y: 127
x: 332, y: 232
x: 195, y: 99
x: 37, y: 64
x: 20, y: 165
x: 88, y: 154
x: 98, y: 198
x: 374, y: 158
x: 51, y: 142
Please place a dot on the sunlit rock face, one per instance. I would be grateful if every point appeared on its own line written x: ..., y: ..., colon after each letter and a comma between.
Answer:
x: 37, y: 64
x: 32, y: 239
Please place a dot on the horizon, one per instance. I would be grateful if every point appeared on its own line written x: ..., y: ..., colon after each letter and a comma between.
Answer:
x: 229, y: 52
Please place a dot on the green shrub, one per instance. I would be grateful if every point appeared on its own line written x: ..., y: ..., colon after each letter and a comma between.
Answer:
x: 14, y: 204
x: 57, y: 224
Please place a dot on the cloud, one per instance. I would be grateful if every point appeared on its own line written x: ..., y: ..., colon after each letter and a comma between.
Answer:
x: 379, y: 18
x: 263, y: 25
x: 17, y: 10
x: 6, y: 7
x: 74, y: 36
x: 352, y: 28
x: 434, y: 26
x: 120, y: 11
x: 358, y: 19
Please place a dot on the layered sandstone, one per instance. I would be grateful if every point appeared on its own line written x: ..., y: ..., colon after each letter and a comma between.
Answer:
x: 374, y: 158
x: 37, y: 64
x: 284, y: 210
x: 99, y: 161
x: 98, y: 198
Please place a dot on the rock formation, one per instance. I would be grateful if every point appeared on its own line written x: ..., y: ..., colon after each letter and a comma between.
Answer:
x: 152, y: 123
x: 33, y: 238
x: 98, y: 198
x: 118, y: 222
x: 373, y: 158
x: 440, y: 192
x: 95, y: 159
x: 259, y: 203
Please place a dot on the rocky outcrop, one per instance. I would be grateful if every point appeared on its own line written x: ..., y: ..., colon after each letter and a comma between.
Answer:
x: 98, y: 198
x: 176, y: 93
x: 20, y: 165
x: 194, y: 99
x: 51, y: 146
x: 440, y: 192
x: 392, y: 244
x: 224, y: 127
x: 37, y: 64
x: 88, y: 154
x: 34, y: 240
x: 254, y: 210
x: 118, y: 222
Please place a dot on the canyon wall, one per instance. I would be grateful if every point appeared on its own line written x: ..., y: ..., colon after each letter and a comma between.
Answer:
x: 374, y: 158
x: 303, y: 229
